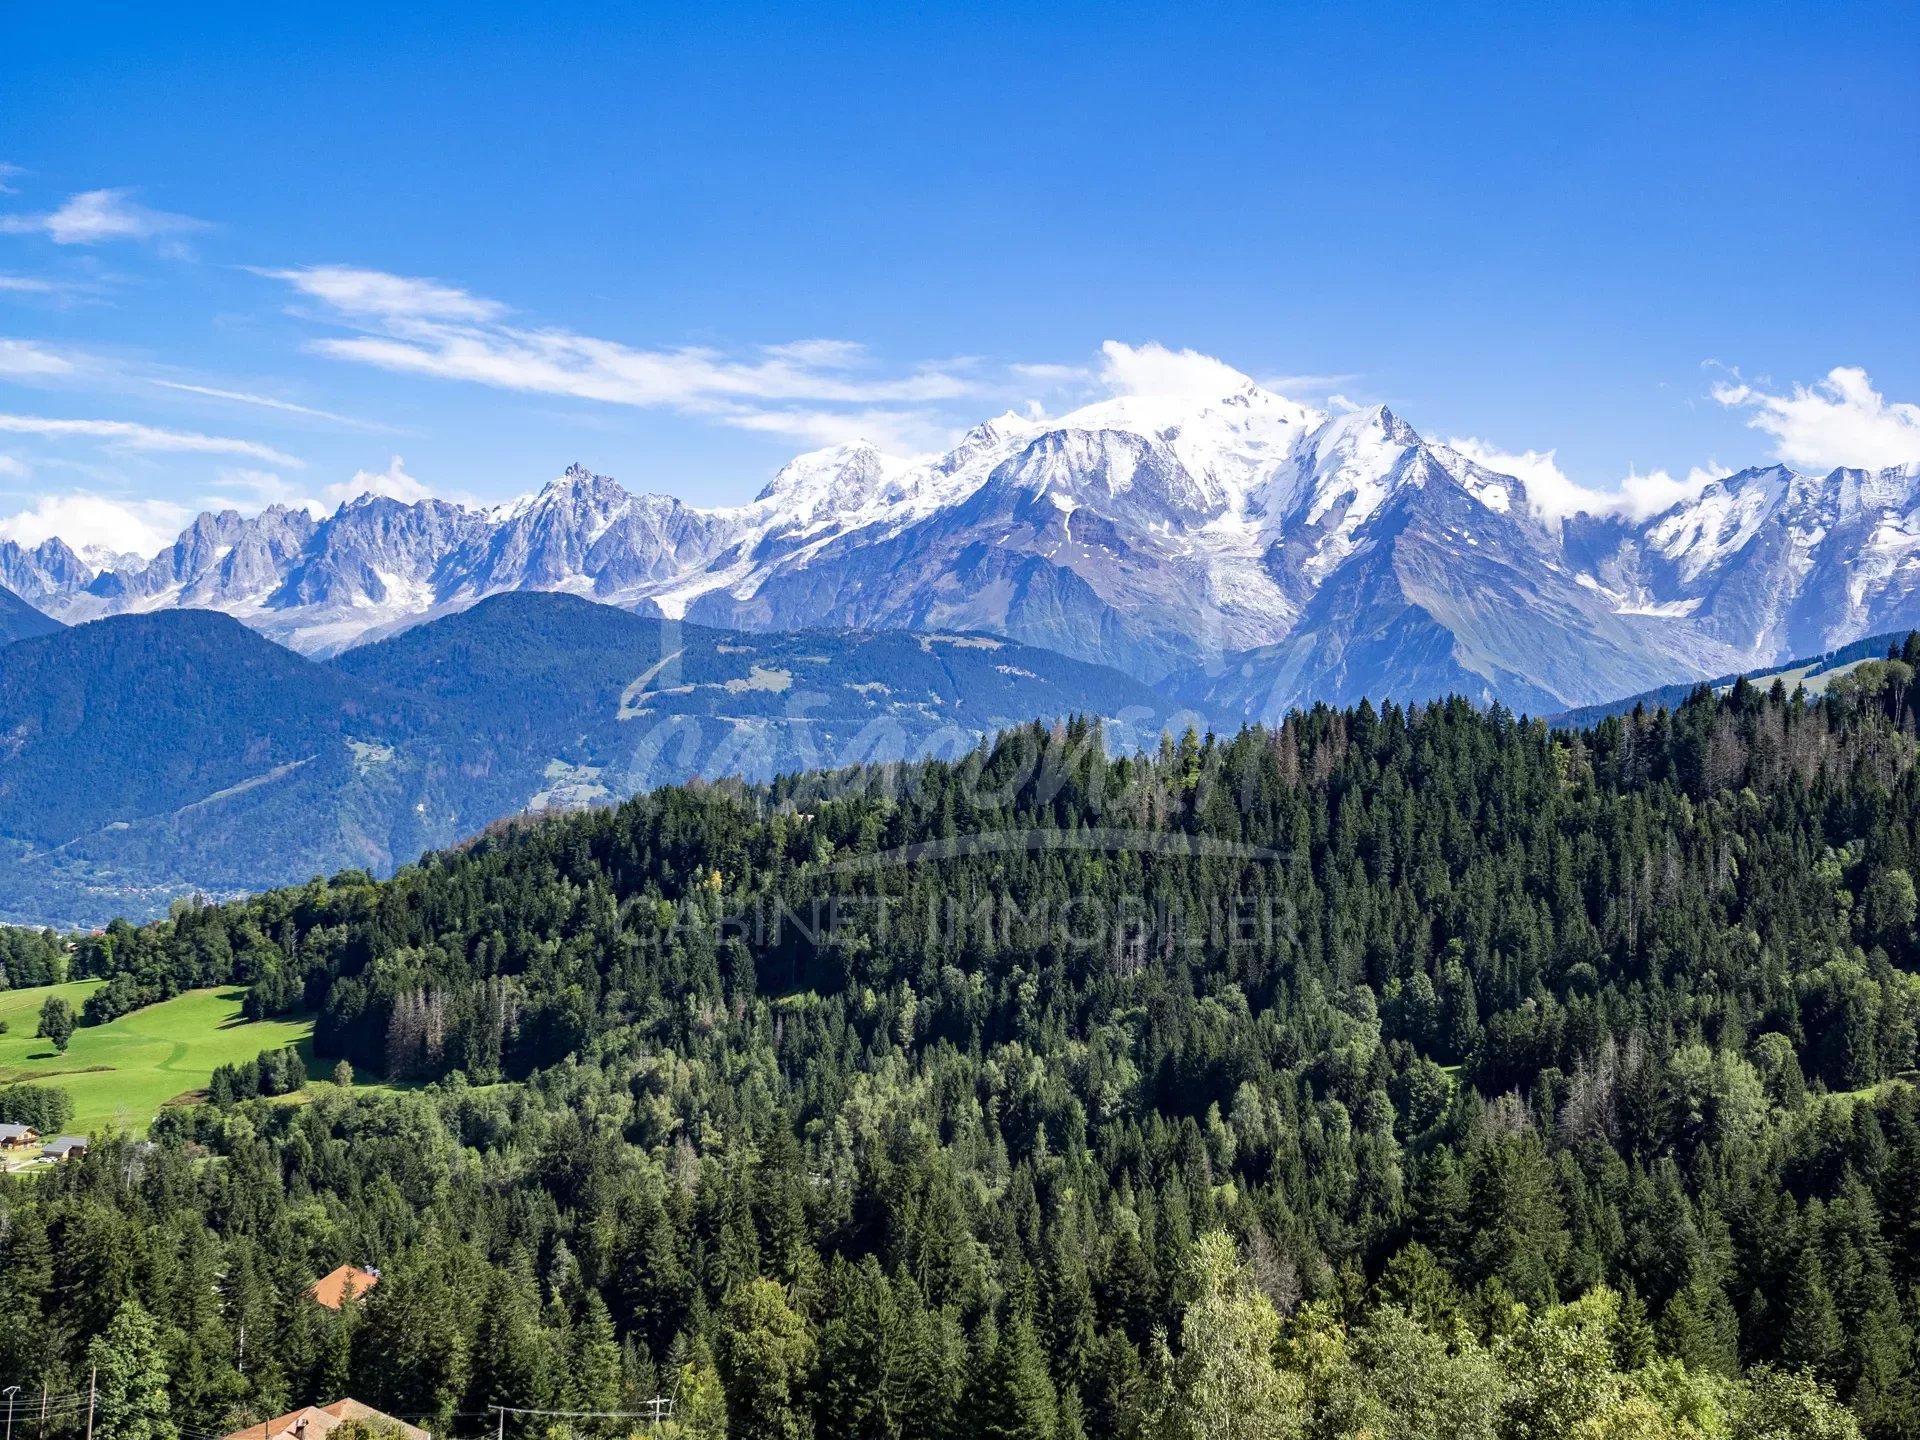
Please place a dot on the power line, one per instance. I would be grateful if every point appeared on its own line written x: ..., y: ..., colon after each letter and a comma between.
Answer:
x: 657, y: 1410
x: 646, y: 1414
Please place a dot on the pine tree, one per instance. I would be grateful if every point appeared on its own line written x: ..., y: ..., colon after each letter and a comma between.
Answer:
x: 1813, y: 1338
x: 1415, y: 1282
x: 595, y: 1358
x: 862, y: 1358
x: 1012, y: 1396
x: 766, y: 1356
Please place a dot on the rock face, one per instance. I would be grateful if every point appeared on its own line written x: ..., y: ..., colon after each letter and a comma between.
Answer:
x: 1248, y: 552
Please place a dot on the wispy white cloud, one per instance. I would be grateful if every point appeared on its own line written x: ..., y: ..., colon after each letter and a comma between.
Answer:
x: 1551, y: 492
x: 1049, y: 374
x: 1156, y: 369
x: 8, y: 174
x: 87, y: 520
x: 1153, y: 369
x: 1656, y: 490
x: 130, y: 435
x: 13, y: 468
x: 23, y: 359
x: 559, y: 362
x: 1837, y: 421
x: 356, y: 291
x: 1294, y: 386
x: 896, y: 432
x: 817, y: 391
x: 265, y: 402
x: 1554, y: 495
x: 29, y: 285
x: 806, y: 389
x: 394, y: 483
x: 94, y: 216
x: 825, y: 354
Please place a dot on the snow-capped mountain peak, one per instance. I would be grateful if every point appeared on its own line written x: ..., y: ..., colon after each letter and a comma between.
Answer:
x: 1312, y: 554
x: 1229, y: 445
x: 835, y: 484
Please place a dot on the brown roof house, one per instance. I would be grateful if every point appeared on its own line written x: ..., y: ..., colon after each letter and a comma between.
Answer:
x: 348, y: 1282
x: 313, y: 1421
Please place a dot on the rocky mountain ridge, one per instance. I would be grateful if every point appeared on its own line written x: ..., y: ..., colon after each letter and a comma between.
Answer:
x: 1248, y: 552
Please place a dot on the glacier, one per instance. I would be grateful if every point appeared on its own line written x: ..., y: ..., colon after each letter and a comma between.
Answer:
x: 1247, y: 552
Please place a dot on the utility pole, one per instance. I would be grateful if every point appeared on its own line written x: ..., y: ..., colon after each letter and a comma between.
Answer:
x: 93, y: 1386
x: 503, y: 1419
x: 43, y: 1410
x: 11, y: 1392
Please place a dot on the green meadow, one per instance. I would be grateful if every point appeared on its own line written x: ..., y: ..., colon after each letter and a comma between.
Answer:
x: 121, y: 1073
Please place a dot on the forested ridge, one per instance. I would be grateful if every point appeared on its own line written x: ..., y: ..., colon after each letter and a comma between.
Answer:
x: 218, y: 763
x: 1400, y: 1072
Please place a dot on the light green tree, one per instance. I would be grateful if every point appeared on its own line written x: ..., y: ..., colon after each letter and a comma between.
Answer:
x: 1426, y: 1388
x: 1226, y: 1383
x: 1783, y: 1406
x: 699, y: 1401
x: 131, y: 1396
x: 1560, y: 1365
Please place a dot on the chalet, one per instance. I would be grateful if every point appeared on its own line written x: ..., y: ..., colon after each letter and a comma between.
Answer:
x: 18, y: 1137
x: 311, y: 1422
x: 65, y: 1147
x: 348, y: 1282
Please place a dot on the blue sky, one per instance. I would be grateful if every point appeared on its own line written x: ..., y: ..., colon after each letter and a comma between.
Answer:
x: 261, y: 255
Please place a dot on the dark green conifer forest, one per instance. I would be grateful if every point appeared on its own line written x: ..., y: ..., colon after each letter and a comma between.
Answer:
x: 1411, y: 1072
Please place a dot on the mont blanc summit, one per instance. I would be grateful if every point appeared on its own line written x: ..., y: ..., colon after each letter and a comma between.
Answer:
x: 1248, y: 550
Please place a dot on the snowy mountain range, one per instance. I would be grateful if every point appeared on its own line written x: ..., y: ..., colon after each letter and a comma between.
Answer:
x: 1244, y: 551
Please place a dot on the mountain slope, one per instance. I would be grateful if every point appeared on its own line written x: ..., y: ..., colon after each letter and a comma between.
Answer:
x: 1442, y: 594
x: 20, y: 621
x: 556, y: 699
x: 152, y: 755
x: 1262, y: 552
x: 148, y: 756
x: 178, y: 705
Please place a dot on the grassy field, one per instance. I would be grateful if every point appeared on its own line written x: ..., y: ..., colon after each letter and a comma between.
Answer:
x: 121, y: 1073
x: 1803, y: 675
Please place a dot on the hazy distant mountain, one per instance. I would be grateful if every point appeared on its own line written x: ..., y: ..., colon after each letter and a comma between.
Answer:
x: 1258, y: 552
x: 148, y: 756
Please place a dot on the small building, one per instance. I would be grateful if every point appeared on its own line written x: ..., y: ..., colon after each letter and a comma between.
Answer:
x: 18, y: 1137
x: 348, y: 1282
x: 65, y: 1147
x: 310, y: 1422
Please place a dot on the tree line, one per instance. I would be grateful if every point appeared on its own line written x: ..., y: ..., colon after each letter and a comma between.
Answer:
x: 1398, y: 1071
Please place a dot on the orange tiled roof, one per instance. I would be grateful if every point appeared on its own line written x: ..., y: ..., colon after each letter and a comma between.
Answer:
x: 348, y: 1282
x: 311, y: 1422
